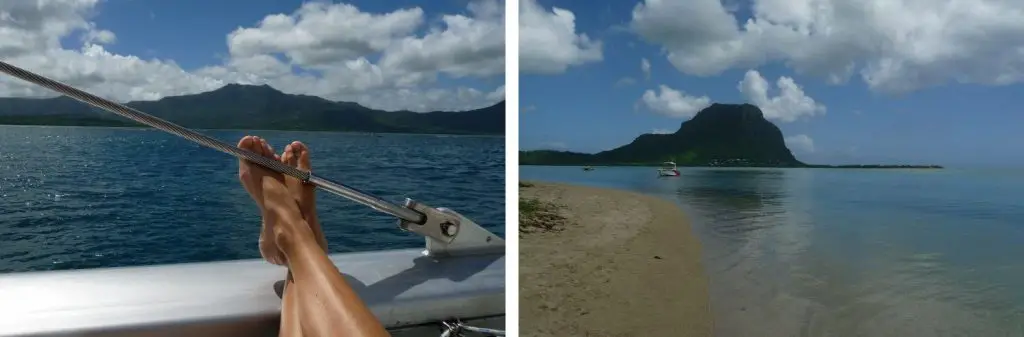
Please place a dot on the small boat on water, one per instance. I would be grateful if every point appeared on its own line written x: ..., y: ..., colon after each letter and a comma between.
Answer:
x: 588, y: 168
x: 668, y: 169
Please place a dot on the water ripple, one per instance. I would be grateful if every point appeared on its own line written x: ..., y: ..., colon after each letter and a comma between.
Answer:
x: 75, y: 197
x: 794, y: 252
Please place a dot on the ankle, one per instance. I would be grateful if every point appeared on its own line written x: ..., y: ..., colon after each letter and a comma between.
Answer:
x: 290, y: 234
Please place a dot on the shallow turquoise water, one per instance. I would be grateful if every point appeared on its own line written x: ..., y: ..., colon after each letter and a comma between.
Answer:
x: 77, y: 197
x: 805, y: 252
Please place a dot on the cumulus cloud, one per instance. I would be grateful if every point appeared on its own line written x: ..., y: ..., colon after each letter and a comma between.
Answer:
x: 662, y: 131
x: 469, y: 46
x: 320, y: 49
x: 303, y: 35
x: 645, y: 66
x: 894, y: 45
x: 625, y: 81
x: 800, y: 143
x: 99, y: 36
x: 548, y: 43
x: 673, y: 103
x: 789, y: 105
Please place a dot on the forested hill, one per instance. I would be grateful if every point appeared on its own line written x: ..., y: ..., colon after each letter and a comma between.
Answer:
x: 727, y: 135
x: 719, y: 135
x: 236, y: 106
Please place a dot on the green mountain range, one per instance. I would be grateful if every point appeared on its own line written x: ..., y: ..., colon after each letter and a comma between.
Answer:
x: 728, y: 135
x: 236, y: 106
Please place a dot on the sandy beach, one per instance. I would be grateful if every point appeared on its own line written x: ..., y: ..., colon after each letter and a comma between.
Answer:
x: 618, y: 264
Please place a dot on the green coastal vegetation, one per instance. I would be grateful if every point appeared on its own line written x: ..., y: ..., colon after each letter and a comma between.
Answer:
x: 262, y: 107
x: 721, y: 135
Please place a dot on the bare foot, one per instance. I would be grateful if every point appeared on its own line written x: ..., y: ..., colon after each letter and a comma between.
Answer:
x: 251, y: 176
x: 282, y: 215
x: 296, y: 155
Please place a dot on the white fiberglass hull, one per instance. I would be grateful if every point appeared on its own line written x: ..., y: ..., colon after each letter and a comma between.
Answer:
x: 668, y: 173
x: 410, y: 293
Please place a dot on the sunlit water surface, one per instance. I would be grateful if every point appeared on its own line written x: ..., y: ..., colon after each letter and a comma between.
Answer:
x: 78, y: 197
x: 828, y: 252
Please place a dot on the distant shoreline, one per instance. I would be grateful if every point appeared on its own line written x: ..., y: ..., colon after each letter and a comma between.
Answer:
x: 634, y: 251
x: 235, y: 129
x: 869, y: 166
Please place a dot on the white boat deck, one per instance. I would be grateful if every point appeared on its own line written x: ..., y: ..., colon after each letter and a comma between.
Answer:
x: 238, y: 298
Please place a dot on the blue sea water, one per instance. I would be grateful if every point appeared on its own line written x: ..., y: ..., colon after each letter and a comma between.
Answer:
x: 829, y: 252
x: 83, y: 197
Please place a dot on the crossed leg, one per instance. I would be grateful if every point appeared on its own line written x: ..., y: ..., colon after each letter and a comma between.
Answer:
x: 317, y: 301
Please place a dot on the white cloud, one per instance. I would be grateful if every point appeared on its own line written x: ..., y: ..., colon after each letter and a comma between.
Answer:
x: 662, y: 131
x: 691, y: 31
x: 894, y: 45
x: 320, y: 33
x: 470, y: 46
x: 99, y: 37
x: 790, y: 104
x: 431, y: 98
x: 800, y: 143
x: 645, y: 65
x: 673, y: 103
x: 548, y: 43
x: 497, y: 95
x: 625, y: 81
x: 335, y: 41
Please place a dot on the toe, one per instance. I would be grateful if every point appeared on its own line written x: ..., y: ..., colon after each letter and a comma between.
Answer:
x: 288, y: 156
x: 262, y: 147
x: 303, y: 155
x: 268, y: 151
x: 245, y: 142
x: 244, y: 170
x: 259, y: 146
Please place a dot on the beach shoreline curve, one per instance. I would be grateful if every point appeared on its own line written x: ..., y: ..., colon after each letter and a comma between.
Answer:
x: 622, y: 264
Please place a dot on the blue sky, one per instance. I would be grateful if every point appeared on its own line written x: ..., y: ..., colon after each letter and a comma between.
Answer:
x: 949, y: 121
x: 193, y: 32
x: 388, y: 54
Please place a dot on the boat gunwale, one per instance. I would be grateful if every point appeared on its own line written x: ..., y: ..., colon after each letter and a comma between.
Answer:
x: 402, y: 287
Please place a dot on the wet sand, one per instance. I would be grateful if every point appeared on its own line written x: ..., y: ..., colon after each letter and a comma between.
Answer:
x: 625, y: 264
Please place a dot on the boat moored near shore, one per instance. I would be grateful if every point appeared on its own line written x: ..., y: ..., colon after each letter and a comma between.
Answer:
x: 668, y: 169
